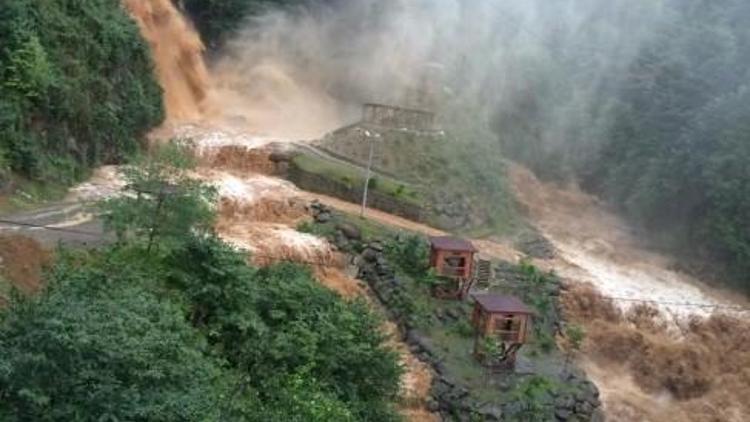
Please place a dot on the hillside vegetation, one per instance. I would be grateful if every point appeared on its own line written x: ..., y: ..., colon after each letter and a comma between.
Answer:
x: 171, y: 323
x: 459, y: 180
x: 216, y: 19
x: 669, y: 143
x: 76, y: 88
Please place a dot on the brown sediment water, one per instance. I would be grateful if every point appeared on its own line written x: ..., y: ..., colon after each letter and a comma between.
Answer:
x: 261, y: 95
x: 656, y: 359
x: 177, y: 51
x: 648, y: 372
x: 239, y: 159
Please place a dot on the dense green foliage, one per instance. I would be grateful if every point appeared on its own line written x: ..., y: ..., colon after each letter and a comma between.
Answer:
x: 76, y: 87
x: 97, y: 345
x: 182, y: 328
x: 666, y: 137
x: 679, y: 146
x: 215, y: 19
x: 278, y: 320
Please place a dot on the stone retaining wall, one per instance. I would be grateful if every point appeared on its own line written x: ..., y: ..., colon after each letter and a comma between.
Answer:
x: 580, y: 402
x: 320, y: 184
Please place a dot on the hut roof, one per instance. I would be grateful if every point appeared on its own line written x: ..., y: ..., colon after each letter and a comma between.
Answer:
x: 501, y: 304
x: 448, y: 243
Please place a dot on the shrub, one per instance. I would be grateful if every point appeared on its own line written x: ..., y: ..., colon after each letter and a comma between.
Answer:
x: 162, y: 203
x: 411, y: 254
x: 279, y: 320
x: 97, y: 346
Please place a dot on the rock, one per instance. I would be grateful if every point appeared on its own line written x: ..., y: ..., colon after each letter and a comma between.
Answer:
x: 439, y: 367
x: 491, y: 412
x: 384, y: 270
x: 340, y: 241
x: 432, y: 405
x: 512, y: 409
x: 563, y: 414
x: 439, y: 314
x: 584, y: 408
x: 350, y: 231
x: 282, y: 154
x: 441, y: 390
x: 461, y: 392
x: 565, y: 402
x: 591, y: 388
x: 370, y: 255
x: 453, y: 314
x: 422, y: 342
x: 323, y: 217
x: 447, y: 381
x: 376, y: 246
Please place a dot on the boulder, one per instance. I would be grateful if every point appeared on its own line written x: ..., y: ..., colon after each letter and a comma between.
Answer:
x: 384, y: 271
x: 282, y: 154
x: 565, y: 402
x: 563, y: 414
x: 376, y: 246
x: 370, y: 255
x: 323, y: 217
x: 490, y: 412
x: 439, y: 367
x: 453, y: 314
x: 432, y: 405
x: 351, y: 231
x: 584, y: 408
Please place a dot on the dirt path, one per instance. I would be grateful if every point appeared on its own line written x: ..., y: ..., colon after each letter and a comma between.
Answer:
x: 488, y: 248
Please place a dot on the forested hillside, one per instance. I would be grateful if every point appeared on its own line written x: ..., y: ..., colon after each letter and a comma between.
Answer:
x: 76, y: 87
x: 668, y: 140
x: 214, y: 19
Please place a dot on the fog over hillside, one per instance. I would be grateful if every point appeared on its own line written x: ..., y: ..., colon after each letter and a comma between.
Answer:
x: 641, y: 102
x: 485, y: 54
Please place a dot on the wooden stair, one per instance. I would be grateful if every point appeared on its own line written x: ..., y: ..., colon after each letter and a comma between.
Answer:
x: 483, y: 272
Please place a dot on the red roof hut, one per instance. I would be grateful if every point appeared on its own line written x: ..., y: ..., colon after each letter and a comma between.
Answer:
x: 453, y: 258
x: 504, y: 319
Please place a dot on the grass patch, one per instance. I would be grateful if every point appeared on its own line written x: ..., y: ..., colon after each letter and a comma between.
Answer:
x: 464, y: 168
x: 31, y: 194
x: 353, y: 178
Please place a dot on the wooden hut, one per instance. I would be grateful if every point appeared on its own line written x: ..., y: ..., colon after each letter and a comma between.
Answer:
x: 504, y: 320
x: 453, y: 259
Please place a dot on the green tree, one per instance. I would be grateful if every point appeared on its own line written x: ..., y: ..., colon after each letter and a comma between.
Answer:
x: 216, y: 19
x: 161, y: 203
x: 411, y: 253
x: 532, y: 394
x: 279, y: 320
x: 98, y: 346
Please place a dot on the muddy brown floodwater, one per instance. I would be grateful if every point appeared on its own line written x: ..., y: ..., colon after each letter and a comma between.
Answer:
x: 653, y: 360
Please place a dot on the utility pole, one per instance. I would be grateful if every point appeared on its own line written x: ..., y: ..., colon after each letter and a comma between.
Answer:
x: 368, y: 173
